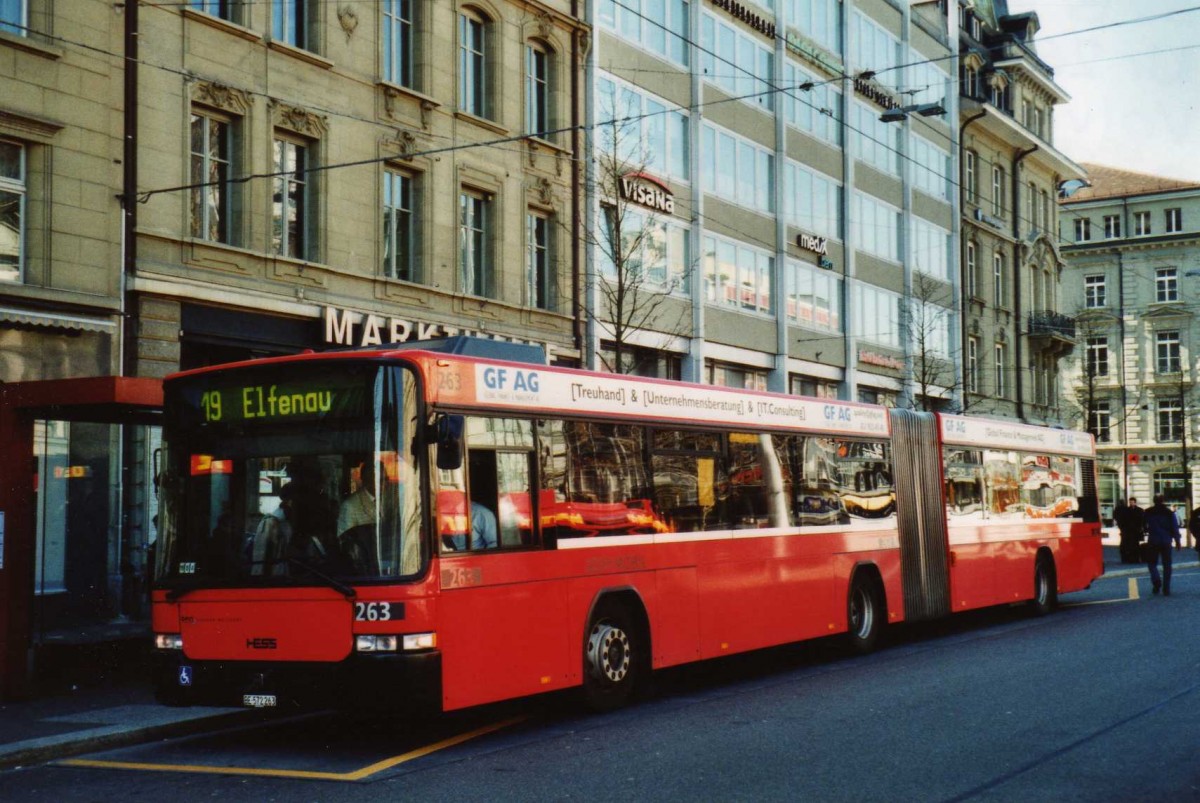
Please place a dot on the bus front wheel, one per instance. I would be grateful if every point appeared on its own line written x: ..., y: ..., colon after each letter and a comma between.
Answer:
x: 612, y: 659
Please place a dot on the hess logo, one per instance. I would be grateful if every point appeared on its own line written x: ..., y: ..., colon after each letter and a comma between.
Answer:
x: 261, y: 644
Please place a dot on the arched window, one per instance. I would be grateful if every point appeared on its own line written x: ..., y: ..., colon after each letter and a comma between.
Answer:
x: 474, y: 56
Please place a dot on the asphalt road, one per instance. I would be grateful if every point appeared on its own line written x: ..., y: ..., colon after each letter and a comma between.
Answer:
x: 1099, y: 701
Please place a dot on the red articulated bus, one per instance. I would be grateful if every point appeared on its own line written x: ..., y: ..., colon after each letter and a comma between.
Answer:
x: 407, y: 523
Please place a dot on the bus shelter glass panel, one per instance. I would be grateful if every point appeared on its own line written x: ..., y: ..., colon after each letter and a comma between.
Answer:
x: 89, y: 572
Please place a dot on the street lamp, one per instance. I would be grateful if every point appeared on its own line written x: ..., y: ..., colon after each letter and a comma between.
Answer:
x: 902, y: 112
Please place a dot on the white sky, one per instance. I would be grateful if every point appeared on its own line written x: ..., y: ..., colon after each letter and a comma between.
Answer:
x: 1130, y: 107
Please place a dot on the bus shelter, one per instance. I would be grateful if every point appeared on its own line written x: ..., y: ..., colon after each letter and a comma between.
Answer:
x: 76, y: 514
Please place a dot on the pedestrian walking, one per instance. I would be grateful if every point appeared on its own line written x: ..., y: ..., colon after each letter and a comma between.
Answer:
x: 1194, y: 527
x: 1178, y: 525
x: 1161, y: 530
x: 1131, y: 523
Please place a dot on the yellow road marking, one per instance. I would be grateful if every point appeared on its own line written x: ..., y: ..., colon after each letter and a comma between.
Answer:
x: 1133, y: 595
x: 356, y: 775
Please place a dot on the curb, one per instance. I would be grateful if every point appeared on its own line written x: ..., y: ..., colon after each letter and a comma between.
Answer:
x: 40, y: 751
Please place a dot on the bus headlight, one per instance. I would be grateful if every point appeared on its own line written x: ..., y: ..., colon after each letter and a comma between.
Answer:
x: 375, y: 643
x: 168, y: 641
x: 420, y: 641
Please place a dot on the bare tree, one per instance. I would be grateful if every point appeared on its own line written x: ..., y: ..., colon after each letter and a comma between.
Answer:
x: 635, y: 275
x: 928, y: 317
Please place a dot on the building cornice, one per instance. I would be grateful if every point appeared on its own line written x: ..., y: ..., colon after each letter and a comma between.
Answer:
x: 1020, y: 65
x: 1002, y: 125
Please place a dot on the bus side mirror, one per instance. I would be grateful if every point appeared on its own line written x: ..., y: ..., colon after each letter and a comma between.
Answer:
x: 449, y: 433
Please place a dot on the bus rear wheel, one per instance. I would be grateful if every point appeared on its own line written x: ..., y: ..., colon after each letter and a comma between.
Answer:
x: 865, y: 614
x: 612, y: 659
x: 1045, y: 592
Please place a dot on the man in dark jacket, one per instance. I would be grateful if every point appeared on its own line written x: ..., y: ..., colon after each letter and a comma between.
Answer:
x: 1161, y: 530
x: 1131, y: 522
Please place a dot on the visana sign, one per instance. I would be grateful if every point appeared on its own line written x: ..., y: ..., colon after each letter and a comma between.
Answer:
x: 644, y: 190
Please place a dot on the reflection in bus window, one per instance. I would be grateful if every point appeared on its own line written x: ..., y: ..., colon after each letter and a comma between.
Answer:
x: 964, y: 482
x: 1048, y: 486
x: 1002, y: 477
x: 594, y: 480
x: 691, y: 482
x: 864, y: 471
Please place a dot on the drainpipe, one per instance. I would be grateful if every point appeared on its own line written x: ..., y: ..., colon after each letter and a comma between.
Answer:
x: 964, y: 301
x: 576, y: 272
x: 129, y: 312
x: 1018, y: 383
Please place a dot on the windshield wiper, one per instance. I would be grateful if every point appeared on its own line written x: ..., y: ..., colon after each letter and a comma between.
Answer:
x: 337, y: 585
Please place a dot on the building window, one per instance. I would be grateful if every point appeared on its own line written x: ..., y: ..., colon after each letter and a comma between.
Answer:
x: 639, y: 361
x: 1169, y: 413
x: 1100, y: 421
x: 1045, y: 217
x: 537, y: 90
x: 1001, y: 368
x: 973, y: 364
x: 224, y: 9
x: 735, y: 60
x: 472, y: 65
x: 475, y: 234
x: 400, y: 260
x: 998, y: 278
x: 1095, y: 292
x: 398, y: 47
x: 969, y: 176
x: 212, y: 153
x: 14, y: 17
x: 738, y: 276
x: 1112, y: 226
x: 1141, y: 224
x: 813, y: 388
x: 658, y: 26
x: 289, y: 22
x: 1174, y: 220
x: 1166, y: 349
x: 877, y: 314
x: 735, y: 376
x: 292, y: 200
x: 642, y: 130
x: 972, y: 277
x: 970, y: 85
x: 539, y: 261
x: 1083, y: 229
x: 813, y: 296
x: 997, y: 190
x: 738, y: 170
x: 13, y: 183
x: 1166, y: 285
x: 1097, y: 356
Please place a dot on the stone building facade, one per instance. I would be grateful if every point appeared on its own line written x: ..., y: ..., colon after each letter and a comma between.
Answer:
x: 1133, y: 258
x: 1015, y: 328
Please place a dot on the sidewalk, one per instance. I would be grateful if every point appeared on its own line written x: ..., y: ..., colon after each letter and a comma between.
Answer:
x: 117, y: 708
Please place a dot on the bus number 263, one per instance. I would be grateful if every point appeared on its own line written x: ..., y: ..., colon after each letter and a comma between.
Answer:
x: 378, y: 611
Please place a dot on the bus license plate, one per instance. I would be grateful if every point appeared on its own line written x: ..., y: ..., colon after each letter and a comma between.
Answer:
x: 258, y: 700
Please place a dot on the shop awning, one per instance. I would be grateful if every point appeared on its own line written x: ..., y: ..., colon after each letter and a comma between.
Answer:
x: 56, y: 320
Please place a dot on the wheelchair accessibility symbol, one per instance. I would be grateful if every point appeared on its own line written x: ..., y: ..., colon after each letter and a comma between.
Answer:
x: 185, y: 676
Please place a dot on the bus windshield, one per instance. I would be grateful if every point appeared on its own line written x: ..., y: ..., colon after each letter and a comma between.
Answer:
x: 286, y: 474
